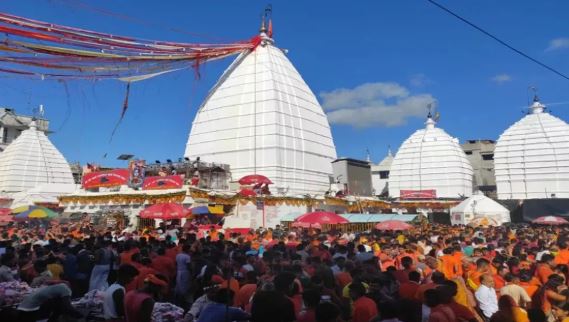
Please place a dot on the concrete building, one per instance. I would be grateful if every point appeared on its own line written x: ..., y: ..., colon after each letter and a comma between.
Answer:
x: 354, y: 175
x: 12, y: 125
x: 380, y: 175
x: 480, y: 153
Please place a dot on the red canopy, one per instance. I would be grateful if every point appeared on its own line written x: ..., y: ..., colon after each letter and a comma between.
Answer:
x: 247, y: 193
x: 5, y: 219
x: 393, y: 225
x: 255, y: 179
x: 306, y: 225
x: 321, y: 217
x: 550, y: 220
x: 5, y: 211
x: 165, y: 211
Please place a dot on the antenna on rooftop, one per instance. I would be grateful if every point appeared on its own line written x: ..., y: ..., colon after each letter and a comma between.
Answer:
x: 38, y: 112
x: 430, y: 109
x: 534, y: 90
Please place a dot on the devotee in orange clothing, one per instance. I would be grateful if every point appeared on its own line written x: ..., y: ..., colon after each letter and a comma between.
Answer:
x: 562, y: 257
x: 499, y: 280
x: 243, y: 297
x: 407, y: 290
x: 458, y: 256
x: 545, y: 268
x: 364, y: 309
x: 436, y: 279
x: 482, y: 267
x: 402, y: 275
x: 344, y: 278
x: 164, y: 264
x: 448, y: 265
x: 386, y: 261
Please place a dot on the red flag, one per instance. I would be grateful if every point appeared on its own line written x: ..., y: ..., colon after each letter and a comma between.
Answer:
x: 270, y: 32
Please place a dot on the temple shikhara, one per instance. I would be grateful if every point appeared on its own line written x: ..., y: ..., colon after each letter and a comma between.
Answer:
x: 532, y: 157
x: 262, y: 118
x: 430, y: 164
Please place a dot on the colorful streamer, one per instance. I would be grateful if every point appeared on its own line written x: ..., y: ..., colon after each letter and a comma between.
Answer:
x: 45, y: 50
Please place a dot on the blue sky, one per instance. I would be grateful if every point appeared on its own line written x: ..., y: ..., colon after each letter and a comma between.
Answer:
x: 407, y: 52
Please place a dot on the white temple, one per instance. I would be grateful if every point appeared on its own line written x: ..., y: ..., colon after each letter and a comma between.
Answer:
x: 531, y: 158
x: 262, y: 118
x: 31, y: 162
x: 430, y: 159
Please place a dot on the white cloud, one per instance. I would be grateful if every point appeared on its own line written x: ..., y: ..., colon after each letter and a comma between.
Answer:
x: 501, y: 78
x: 374, y: 104
x: 420, y: 80
x: 558, y: 43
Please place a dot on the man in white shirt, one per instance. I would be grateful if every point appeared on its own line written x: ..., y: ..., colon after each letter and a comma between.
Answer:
x: 486, y: 296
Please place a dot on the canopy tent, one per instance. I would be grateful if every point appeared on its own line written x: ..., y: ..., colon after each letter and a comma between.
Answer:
x: 478, y: 205
x: 165, y: 211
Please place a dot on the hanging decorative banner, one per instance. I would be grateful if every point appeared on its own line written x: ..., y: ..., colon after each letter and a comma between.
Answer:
x: 113, y: 178
x: 163, y: 182
x: 418, y: 194
x: 136, y: 170
x: 44, y: 50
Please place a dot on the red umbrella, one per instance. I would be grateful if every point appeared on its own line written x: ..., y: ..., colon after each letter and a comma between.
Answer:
x: 321, y: 217
x: 306, y: 225
x: 5, y: 211
x: 255, y: 179
x: 393, y: 225
x: 165, y: 211
x: 5, y: 219
x: 550, y: 220
x: 247, y: 193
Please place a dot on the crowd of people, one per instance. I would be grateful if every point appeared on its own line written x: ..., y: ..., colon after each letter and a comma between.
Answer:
x: 431, y: 273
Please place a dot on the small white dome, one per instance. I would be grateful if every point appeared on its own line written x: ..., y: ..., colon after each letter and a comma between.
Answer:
x: 32, y: 160
x: 531, y: 158
x: 261, y: 117
x: 430, y: 159
x: 386, y: 162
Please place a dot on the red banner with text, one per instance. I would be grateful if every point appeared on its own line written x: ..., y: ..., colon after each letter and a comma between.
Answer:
x: 112, y: 178
x: 418, y: 194
x: 163, y: 182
